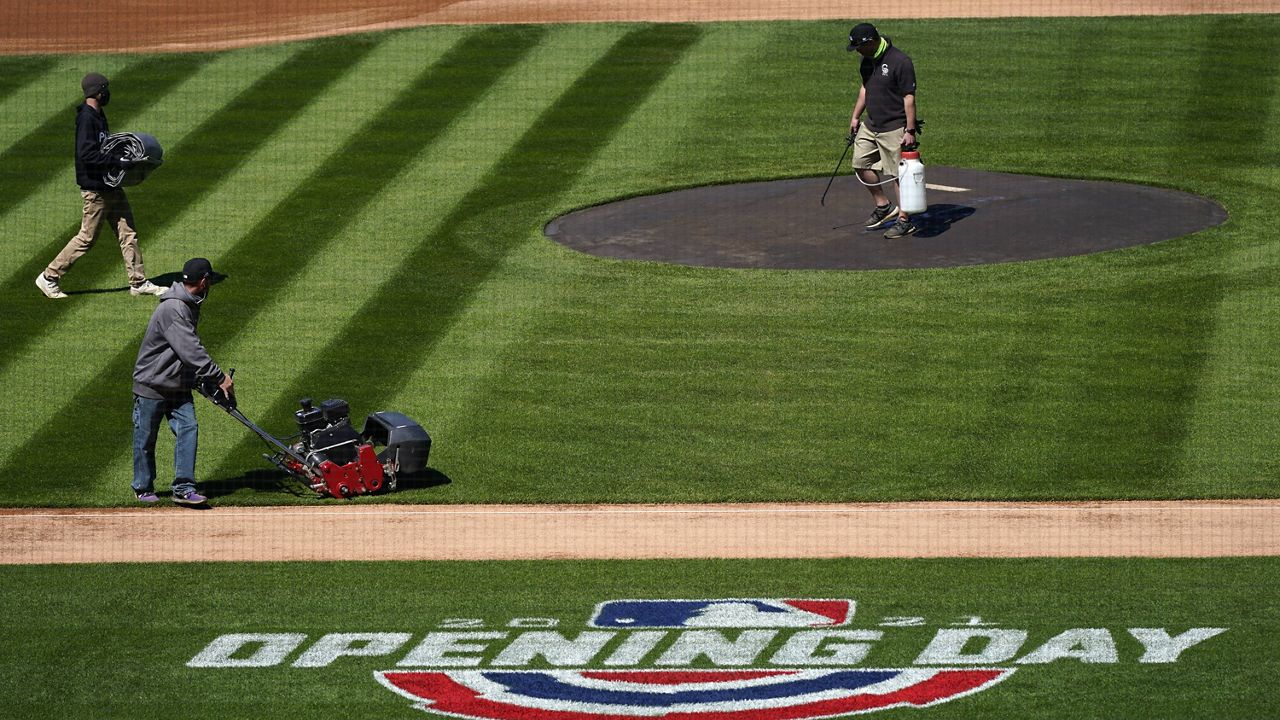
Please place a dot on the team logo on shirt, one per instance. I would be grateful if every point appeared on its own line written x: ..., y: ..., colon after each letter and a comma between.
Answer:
x: 884, y: 69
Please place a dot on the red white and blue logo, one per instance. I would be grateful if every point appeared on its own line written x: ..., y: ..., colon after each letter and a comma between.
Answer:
x: 743, y: 613
x: 682, y: 694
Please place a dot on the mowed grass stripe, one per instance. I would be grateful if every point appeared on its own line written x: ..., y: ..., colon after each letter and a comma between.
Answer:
x: 233, y: 207
x: 531, y: 291
x: 1230, y: 444
x: 269, y: 257
x: 47, y: 219
x: 31, y: 93
x: 17, y: 72
x: 527, y: 182
x: 221, y: 143
x: 38, y: 157
x: 338, y: 279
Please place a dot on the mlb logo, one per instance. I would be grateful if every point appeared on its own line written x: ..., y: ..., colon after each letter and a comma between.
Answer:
x: 727, y: 613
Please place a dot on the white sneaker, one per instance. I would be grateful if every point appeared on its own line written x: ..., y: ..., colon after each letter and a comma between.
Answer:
x: 49, y: 287
x: 148, y: 288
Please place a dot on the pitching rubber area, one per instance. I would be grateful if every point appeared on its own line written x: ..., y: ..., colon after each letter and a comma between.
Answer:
x: 974, y: 218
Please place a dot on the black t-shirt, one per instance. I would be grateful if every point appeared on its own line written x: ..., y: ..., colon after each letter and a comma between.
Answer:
x: 888, y: 79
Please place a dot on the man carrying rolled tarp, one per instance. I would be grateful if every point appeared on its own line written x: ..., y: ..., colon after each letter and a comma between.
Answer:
x: 103, y: 201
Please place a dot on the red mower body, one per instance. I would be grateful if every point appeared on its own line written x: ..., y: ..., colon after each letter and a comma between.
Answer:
x: 355, y: 478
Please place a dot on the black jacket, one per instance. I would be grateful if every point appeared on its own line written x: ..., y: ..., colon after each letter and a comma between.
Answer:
x: 91, y: 162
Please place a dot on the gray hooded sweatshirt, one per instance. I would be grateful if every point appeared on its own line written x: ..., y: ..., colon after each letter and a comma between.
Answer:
x: 172, y: 359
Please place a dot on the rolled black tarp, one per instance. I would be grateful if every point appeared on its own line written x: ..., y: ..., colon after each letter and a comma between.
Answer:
x: 143, y: 149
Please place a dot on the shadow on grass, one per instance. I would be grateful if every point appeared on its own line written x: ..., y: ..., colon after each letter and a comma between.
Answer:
x: 275, y: 482
x: 98, y: 291
x: 264, y: 481
x: 165, y: 280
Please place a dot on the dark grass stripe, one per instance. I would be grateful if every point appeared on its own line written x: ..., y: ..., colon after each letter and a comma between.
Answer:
x: 270, y: 256
x: 1137, y: 350
x: 1224, y: 120
x: 438, y: 279
x: 1073, y: 407
x: 209, y: 154
x: 17, y: 72
x: 43, y: 152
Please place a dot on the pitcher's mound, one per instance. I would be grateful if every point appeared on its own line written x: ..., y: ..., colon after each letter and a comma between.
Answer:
x: 974, y: 217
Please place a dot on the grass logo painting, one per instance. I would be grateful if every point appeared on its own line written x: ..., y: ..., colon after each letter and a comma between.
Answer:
x: 713, y: 659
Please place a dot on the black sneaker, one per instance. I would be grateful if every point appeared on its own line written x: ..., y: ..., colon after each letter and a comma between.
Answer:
x: 879, y: 217
x: 900, y: 229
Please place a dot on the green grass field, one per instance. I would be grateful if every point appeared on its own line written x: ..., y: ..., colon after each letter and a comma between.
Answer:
x: 115, y: 641
x: 377, y: 203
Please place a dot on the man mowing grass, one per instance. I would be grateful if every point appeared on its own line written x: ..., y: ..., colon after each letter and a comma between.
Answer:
x: 171, y: 362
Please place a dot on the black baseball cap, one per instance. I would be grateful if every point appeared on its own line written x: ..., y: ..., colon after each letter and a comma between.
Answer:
x: 196, y: 269
x: 93, y: 83
x: 861, y: 33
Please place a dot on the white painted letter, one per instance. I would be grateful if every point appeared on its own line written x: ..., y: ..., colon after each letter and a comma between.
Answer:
x: 335, y: 645
x: 1088, y: 645
x: 635, y: 647
x: 947, y: 647
x: 556, y: 648
x: 717, y: 648
x: 847, y: 647
x: 275, y: 648
x: 1161, y: 648
x: 436, y: 648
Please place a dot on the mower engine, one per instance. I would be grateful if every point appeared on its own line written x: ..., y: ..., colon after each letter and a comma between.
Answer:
x: 334, y: 460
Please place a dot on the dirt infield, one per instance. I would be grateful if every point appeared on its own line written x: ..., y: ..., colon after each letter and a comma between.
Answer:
x: 401, y: 532
x: 61, y: 26
x: 356, y: 531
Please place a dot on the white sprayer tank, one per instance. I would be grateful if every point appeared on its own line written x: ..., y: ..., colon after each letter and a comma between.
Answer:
x: 911, y: 183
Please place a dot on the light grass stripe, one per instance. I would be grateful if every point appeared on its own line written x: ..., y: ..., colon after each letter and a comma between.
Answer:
x: 1232, y: 424
x: 208, y: 228
x: 256, y: 189
x: 338, y: 280
x: 1231, y: 427
x: 510, y: 306
x: 56, y: 206
x: 53, y: 92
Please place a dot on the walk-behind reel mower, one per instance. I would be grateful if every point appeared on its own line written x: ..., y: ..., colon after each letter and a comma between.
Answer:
x: 330, y: 457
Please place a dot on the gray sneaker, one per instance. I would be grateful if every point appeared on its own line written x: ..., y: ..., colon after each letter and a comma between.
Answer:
x: 49, y: 287
x: 901, y: 229
x: 881, y: 216
x: 147, y: 288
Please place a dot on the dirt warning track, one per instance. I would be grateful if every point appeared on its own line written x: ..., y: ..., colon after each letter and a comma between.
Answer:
x: 63, y: 26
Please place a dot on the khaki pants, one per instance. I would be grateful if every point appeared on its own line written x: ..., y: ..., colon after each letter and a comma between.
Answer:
x: 111, y: 206
x: 878, y: 151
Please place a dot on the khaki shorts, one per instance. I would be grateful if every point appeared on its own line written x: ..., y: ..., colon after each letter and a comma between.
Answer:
x: 878, y: 151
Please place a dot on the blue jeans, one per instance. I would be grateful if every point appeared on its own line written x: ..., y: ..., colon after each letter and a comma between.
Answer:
x: 146, y: 426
